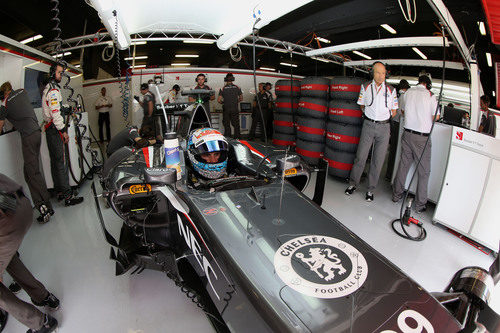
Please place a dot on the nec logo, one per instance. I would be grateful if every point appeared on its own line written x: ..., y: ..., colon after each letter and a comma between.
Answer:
x: 460, y: 135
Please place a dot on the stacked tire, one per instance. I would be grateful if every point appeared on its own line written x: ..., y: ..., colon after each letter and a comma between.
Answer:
x: 286, y: 104
x: 343, y: 127
x: 311, y: 120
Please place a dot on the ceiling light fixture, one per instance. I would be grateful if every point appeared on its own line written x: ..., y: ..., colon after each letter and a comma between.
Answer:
x: 493, y: 93
x: 488, y: 59
x: 321, y: 59
x: 77, y: 66
x: 31, y: 39
x: 362, y: 55
x: 139, y: 66
x: 288, y: 64
x: 199, y: 41
x: 417, y: 51
x: 62, y: 54
x: 186, y: 56
x: 137, y: 58
x: 139, y: 43
x: 180, y: 64
x: 267, y: 69
x: 482, y: 28
x: 281, y: 51
x: 388, y: 28
x: 323, y: 40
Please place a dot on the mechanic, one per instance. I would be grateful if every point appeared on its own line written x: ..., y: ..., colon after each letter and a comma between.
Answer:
x: 200, y: 80
x: 403, y: 86
x: 173, y: 94
x: 379, y: 103
x: 103, y: 105
x: 56, y: 134
x: 131, y: 136
x: 418, y: 108
x: 17, y: 109
x: 265, y: 104
x: 148, y: 105
x: 16, y: 217
x: 229, y: 96
x: 488, y: 123
x: 207, y: 151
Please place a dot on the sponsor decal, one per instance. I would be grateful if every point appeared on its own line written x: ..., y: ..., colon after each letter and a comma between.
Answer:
x: 210, y: 211
x: 139, y: 188
x: 321, y: 266
x: 460, y: 135
x: 290, y: 172
x: 53, y: 102
x: 408, y: 326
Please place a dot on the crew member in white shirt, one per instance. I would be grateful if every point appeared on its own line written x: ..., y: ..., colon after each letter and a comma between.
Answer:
x: 103, y: 105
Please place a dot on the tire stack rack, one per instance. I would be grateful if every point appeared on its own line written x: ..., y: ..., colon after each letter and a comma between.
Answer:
x: 286, y: 104
x: 343, y: 128
x: 311, y: 120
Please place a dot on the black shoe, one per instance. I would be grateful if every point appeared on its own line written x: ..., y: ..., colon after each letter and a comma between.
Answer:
x: 51, y: 301
x: 60, y: 197
x: 3, y: 319
x: 45, y: 214
x: 14, y: 287
x: 49, y: 325
x: 421, y: 210
x: 369, y: 196
x: 394, y: 199
x: 72, y: 200
x: 350, y: 190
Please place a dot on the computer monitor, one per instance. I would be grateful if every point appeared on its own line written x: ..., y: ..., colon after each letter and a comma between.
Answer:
x: 245, y: 107
x: 453, y: 116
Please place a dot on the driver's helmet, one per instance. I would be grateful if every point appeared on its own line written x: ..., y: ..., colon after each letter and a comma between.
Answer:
x: 203, y: 141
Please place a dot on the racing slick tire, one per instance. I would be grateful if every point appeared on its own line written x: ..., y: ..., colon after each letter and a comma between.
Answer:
x: 283, y: 140
x: 311, y: 129
x: 313, y: 107
x: 345, y: 112
x: 339, y: 162
x: 314, y: 86
x: 311, y: 152
x: 283, y: 123
x: 342, y: 137
x: 286, y: 105
x: 343, y: 87
x: 286, y: 88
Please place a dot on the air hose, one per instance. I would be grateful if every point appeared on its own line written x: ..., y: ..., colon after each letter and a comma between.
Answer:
x: 124, y: 90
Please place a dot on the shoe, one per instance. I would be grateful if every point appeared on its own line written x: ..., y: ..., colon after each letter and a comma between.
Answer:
x: 14, y: 287
x: 350, y: 190
x: 45, y: 214
x: 49, y: 325
x: 369, y: 196
x: 72, y: 200
x: 421, y: 210
x: 60, y: 196
x: 51, y: 301
x: 3, y: 319
x: 394, y: 199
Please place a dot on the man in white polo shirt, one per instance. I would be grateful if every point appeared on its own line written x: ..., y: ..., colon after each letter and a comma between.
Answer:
x: 103, y: 105
x: 379, y: 103
x: 419, y: 107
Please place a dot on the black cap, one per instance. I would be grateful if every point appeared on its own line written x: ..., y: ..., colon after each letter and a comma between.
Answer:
x: 144, y: 86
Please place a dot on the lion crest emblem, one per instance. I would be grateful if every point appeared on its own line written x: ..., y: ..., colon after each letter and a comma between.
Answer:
x: 323, y: 262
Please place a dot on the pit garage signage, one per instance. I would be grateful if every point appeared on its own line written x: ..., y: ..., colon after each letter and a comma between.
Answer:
x: 321, y: 266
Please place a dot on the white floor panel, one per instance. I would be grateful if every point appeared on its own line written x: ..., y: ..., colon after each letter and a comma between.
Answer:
x: 70, y: 256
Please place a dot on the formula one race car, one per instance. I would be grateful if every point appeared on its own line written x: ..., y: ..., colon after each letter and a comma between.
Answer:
x: 259, y: 256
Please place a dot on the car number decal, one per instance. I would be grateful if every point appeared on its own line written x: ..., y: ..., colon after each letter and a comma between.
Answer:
x: 139, y: 188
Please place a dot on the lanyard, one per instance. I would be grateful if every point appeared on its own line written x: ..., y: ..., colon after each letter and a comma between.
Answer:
x: 373, y: 98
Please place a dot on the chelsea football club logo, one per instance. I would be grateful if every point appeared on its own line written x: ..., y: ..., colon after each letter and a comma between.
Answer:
x: 321, y: 266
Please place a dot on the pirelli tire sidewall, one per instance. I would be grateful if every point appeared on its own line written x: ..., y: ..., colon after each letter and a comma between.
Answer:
x: 314, y: 86
x: 346, y: 112
x: 286, y: 105
x: 311, y: 129
x: 347, y: 88
x: 287, y: 88
x: 342, y: 137
x: 313, y: 107
x: 339, y: 162
x: 283, y: 140
x: 310, y: 152
x: 284, y: 123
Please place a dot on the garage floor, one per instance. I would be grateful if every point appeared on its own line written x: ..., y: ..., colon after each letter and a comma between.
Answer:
x: 70, y: 256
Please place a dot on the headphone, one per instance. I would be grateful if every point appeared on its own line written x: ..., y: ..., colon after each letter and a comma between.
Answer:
x: 53, y: 68
x: 229, y: 77
x: 201, y: 74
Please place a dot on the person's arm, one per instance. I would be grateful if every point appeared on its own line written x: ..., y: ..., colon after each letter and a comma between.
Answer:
x: 219, y: 98
x: 3, y: 114
x: 361, y: 99
x: 150, y: 108
x: 2, y: 122
x: 109, y: 103
x: 54, y: 101
x: 393, y: 112
x: 240, y: 95
x: 395, y: 104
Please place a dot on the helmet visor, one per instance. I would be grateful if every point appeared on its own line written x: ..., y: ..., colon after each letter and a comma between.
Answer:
x: 211, y: 146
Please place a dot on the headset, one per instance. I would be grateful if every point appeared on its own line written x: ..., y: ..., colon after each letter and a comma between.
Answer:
x: 229, y: 77
x: 201, y: 74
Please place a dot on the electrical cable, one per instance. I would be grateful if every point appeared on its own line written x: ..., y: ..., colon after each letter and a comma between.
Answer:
x: 238, y: 55
x: 105, y: 55
x: 255, y: 80
x: 409, y: 17
x: 423, y: 233
x: 95, y: 161
x: 124, y: 91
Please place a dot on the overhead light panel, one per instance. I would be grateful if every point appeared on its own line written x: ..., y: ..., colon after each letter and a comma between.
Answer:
x: 362, y: 55
x: 323, y: 40
x: 482, y: 28
x: 139, y: 66
x: 321, y: 59
x: 493, y: 93
x: 199, y: 41
x: 488, y: 59
x: 281, y: 51
x: 288, y: 64
x: 180, y: 64
x: 77, y: 66
x: 267, y: 69
x: 139, y: 43
x: 186, y: 56
x: 417, y: 51
x: 137, y: 58
x: 31, y: 39
x: 62, y: 54
x: 388, y: 28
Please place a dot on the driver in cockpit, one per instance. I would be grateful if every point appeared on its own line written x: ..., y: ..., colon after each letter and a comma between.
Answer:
x: 207, y: 151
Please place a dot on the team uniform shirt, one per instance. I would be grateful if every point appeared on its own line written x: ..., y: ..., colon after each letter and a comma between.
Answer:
x: 103, y: 100
x: 205, y: 98
x: 489, y: 123
x: 51, y: 106
x: 172, y: 96
x: 401, y: 98
x: 419, y: 106
x: 19, y: 111
x: 145, y: 102
x: 374, y: 99
x: 230, y: 93
x: 263, y: 99
x: 125, y: 138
